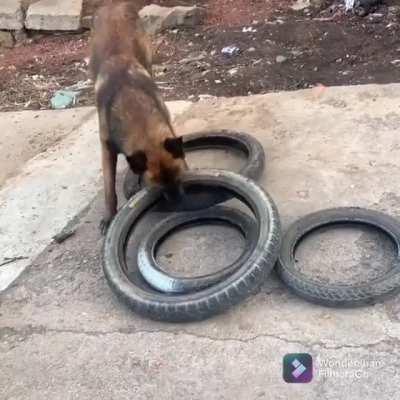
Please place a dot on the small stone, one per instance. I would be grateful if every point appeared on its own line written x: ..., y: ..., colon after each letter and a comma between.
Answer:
x: 251, y: 49
x: 280, y: 59
x: 394, y: 11
x: 6, y: 40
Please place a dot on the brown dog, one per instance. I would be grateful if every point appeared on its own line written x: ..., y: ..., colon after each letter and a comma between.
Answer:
x: 133, y: 118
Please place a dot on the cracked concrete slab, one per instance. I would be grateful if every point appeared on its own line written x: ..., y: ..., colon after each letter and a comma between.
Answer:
x: 25, y: 134
x: 52, y: 187
x: 64, y: 335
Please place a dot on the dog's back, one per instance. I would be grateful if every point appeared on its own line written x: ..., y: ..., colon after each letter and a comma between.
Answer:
x: 132, y: 115
x: 119, y: 36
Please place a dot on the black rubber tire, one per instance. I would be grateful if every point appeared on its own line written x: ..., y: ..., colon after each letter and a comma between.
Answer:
x: 167, y: 283
x: 338, y: 295
x: 215, y: 139
x: 217, y: 298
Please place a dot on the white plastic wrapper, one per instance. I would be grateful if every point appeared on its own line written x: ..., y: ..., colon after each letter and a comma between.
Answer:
x: 349, y: 4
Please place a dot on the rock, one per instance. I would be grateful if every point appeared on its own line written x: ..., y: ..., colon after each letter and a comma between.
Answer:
x: 300, y: 5
x: 11, y: 14
x: 6, y: 40
x: 157, y: 18
x: 54, y: 15
x: 394, y: 11
x: 280, y: 59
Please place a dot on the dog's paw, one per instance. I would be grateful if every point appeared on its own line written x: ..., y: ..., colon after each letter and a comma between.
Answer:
x: 104, y: 224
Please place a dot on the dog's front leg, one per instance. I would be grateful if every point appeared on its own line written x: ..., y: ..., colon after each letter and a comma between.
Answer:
x: 109, y: 164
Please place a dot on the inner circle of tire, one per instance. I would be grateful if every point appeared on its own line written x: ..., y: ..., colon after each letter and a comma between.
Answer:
x: 339, y: 295
x: 168, y: 283
x: 212, y: 300
x: 214, y: 139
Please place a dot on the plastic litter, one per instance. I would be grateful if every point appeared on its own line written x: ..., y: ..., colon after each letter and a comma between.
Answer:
x: 248, y: 29
x: 230, y: 50
x: 64, y: 99
x: 349, y: 4
x: 68, y: 96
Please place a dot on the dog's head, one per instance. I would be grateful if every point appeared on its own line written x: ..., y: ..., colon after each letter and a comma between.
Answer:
x: 162, y: 166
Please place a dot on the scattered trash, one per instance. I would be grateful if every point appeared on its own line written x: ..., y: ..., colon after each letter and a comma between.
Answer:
x: 68, y: 97
x: 81, y: 85
x: 230, y: 51
x: 190, y: 59
x: 64, y: 99
x: 248, y: 29
x: 395, y: 62
x: 362, y: 7
x: 63, y: 236
x: 205, y: 97
x: 251, y: 49
x: 280, y: 59
x: 349, y: 4
x: 296, y: 53
x: 233, y: 71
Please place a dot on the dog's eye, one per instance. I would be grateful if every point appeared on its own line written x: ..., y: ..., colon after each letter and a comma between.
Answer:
x: 138, y: 162
x: 174, y: 146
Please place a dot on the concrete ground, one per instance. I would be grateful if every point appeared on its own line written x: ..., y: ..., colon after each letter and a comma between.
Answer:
x: 63, y: 335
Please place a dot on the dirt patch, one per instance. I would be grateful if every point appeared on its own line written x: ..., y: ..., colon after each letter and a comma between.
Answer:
x: 31, y: 73
x: 286, y: 55
x: 279, y: 49
x: 239, y: 12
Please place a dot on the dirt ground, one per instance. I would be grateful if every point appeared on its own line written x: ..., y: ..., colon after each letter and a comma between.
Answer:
x: 282, y: 49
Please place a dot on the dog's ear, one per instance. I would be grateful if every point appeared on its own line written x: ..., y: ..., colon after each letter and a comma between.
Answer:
x: 174, y: 146
x: 138, y: 162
